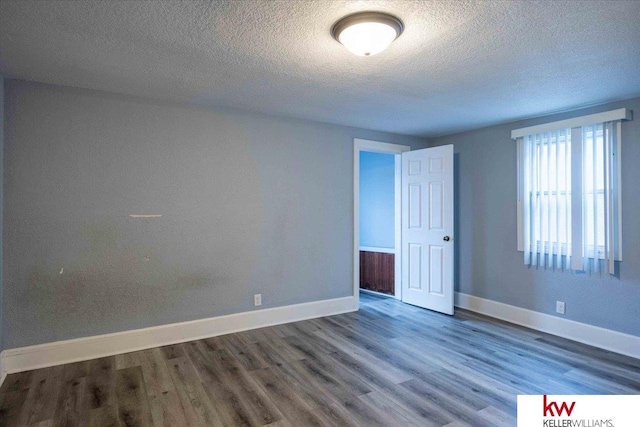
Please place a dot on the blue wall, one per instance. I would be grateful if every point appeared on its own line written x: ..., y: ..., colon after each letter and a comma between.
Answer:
x: 488, y: 264
x: 377, y: 171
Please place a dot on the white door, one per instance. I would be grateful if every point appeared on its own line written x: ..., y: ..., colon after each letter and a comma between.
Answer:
x: 427, y: 228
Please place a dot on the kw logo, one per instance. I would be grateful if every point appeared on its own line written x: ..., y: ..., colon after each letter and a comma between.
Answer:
x: 549, y: 407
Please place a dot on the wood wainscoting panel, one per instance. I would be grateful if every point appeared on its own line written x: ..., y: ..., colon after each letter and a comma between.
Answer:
x: 377, y: 272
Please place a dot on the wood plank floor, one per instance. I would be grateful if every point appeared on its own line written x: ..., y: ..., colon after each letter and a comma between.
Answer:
x: 389, y: 364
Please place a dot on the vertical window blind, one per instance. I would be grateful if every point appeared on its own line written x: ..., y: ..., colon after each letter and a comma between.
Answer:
x: 569, y: 193
x: 547, y: 203
x: 600, y: 192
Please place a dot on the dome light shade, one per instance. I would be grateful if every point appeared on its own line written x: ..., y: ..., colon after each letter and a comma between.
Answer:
x: 367, y: 33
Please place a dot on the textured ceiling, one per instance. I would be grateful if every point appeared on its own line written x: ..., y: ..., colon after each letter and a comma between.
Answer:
x: 458, y: 65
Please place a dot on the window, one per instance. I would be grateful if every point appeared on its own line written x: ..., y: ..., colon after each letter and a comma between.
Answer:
x: 594, y: 189
x: 547, y: 184
x: 568, y: 192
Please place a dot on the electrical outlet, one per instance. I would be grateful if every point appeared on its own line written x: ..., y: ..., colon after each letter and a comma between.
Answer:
x: 560, y: 307
x: 257, y: 299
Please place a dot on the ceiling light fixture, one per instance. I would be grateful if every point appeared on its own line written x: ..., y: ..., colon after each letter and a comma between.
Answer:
x: 367, y: 33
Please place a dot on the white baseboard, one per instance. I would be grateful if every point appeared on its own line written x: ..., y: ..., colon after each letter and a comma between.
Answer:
x: 61, y: 352
x: 76, y: 350
x: 3, y: 373
x: 606, y: 339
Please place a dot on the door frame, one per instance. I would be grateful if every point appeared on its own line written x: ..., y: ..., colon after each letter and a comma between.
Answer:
x: 387, y: 148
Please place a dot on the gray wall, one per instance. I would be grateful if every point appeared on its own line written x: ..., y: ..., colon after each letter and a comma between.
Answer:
x: 250, y: 204
x: 488, y: 264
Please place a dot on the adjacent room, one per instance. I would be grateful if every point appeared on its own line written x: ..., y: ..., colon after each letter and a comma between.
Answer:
x: 299, y: 213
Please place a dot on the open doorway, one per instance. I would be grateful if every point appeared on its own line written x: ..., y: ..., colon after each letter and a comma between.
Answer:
x: 423, y: 249
x: 377, y: 217
x: 377, y: 222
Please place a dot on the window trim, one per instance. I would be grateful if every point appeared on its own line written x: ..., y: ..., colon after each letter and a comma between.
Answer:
x: 575, y: 124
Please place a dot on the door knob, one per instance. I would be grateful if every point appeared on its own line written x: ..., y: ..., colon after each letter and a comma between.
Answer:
x: 446, y: 238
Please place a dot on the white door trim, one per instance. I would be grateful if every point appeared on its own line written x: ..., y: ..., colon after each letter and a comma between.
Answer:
x: 376, y: 147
